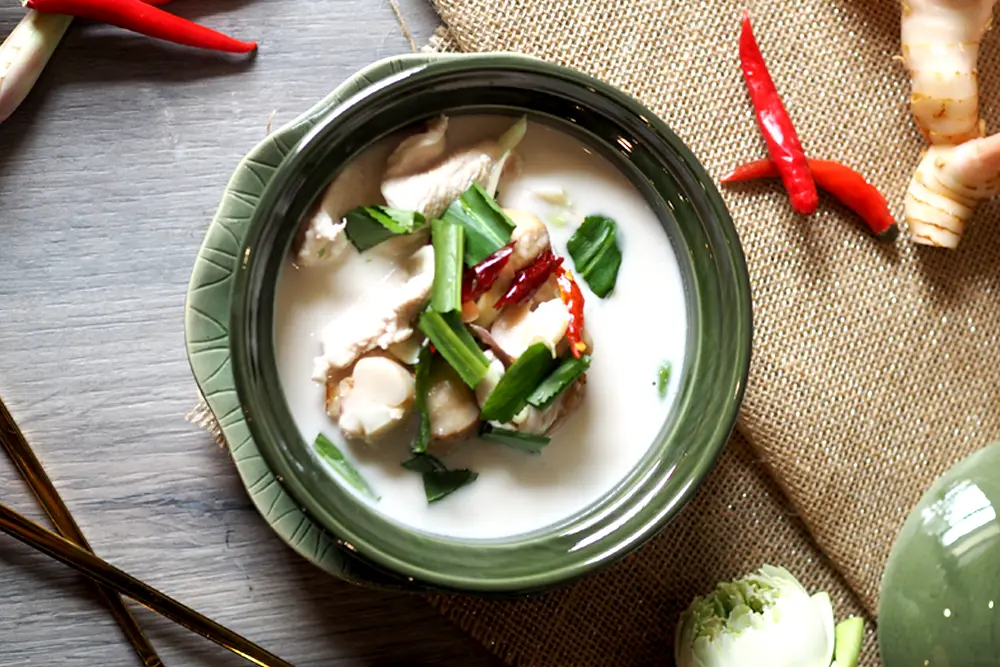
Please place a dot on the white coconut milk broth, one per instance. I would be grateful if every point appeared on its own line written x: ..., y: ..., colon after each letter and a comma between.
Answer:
x: 634, y: 331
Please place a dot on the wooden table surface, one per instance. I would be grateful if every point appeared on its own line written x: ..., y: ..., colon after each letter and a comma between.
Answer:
x: 109, y: 175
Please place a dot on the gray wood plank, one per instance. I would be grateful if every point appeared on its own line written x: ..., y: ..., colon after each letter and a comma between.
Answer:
x: 109, y: 174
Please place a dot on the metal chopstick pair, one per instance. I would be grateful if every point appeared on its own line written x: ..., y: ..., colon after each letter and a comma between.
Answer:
x: 112, y: 582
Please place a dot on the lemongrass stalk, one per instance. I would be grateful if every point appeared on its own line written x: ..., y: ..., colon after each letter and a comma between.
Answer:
x: 24, y: 54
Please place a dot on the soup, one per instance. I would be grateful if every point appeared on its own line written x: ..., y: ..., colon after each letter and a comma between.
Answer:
x: 607, y: 418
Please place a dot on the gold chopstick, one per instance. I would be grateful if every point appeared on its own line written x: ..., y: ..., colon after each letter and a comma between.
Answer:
x: 108, y: 575
x: 31, y: 469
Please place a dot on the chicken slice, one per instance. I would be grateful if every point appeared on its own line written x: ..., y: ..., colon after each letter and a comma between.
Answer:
x: 375, y: 398
x: 419, y: 151
x: 519, y: 327
x: 530, y: 238
x: 451, y: 405
x: 324, y: 240
x: 431, y: 191
x: 381, y: 319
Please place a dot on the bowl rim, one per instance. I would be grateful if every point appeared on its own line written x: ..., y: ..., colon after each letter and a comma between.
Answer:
x: 636, y: 508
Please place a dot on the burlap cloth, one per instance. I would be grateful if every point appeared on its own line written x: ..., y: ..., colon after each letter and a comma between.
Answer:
x: 875, y: 367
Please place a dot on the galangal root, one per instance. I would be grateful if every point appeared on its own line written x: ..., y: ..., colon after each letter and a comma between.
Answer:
x: 940, y: 40
x: 948, y: 185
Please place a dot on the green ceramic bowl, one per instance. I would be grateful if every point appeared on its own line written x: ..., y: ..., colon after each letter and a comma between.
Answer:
x: 940, y: 599
x: 386, y: 98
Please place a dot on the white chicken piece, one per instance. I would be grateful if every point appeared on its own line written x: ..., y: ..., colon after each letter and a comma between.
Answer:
x: 378, y: 321
x: 530, y: 238
x: 419, y: 151
x: 376, y: 397
x: 494, y: 373
x: 432, y: 190
x: 451, y: 405
x: 324, y: 240
x: 519, y: 327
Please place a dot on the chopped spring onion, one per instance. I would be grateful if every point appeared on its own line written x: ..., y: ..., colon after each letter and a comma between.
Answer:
x: 487, y: 227
x: 448, y: 239
x: 439, y: 481
x: 422, y: 376
x: 847, y: 643
x: 524, y: 441
x: 664, y: 379
x: 520, y: 381
x: 454, y: 342
x: 367, y: 226
x: 595, y: 252
x: 559, y: 381
x: 332, y: 455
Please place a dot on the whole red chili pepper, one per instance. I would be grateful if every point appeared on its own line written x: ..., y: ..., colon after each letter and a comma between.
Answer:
x: 842, y: 182
x: 141, y: 17
x: 527, y: 280
x: 776, y: 125
x: 478, y: 280
x: 571, y: 295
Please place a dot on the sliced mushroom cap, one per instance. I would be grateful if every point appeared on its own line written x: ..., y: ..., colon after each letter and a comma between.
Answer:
x: 545, y: 422
x: 519, y: 327
x: 373, y: 399
x: 530, y: 238
x: 451, y: 404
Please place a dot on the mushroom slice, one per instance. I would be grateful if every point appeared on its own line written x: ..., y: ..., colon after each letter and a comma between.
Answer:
x: 530, y: 238
x: 545, y: 422
x: 451, y: 405
x: 431, y: 191
x: 375, y: 398
x: 519, y: 326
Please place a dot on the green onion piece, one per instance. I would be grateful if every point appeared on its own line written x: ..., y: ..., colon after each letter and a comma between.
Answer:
x: 367, y: 226
x: 332, y: 455
x: 848, y: 636
x: 454, y: 342
x: 440, y: 483
x: 521, y: 379
x: 559, y: 381
x: 449, y: 240
x: 422, y: 376
x: 595, y: 252
x: 487, y: 227
x: 664, y: 380
x: 438, y: 480
x: 524, y: 441
x: 424, y: 463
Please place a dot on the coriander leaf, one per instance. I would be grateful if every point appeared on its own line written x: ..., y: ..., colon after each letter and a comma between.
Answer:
x: 440, y: 483
x: 368, y: 226
x: 595, y: 252
x: 487, y: 227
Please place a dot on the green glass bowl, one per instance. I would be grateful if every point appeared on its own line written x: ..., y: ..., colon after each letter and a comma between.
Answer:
x: 940, y: 600
x: 695, y: 219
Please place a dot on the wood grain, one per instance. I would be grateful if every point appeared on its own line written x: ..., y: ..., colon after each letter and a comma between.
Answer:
x: 109, y: 174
